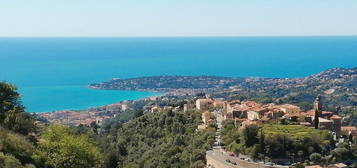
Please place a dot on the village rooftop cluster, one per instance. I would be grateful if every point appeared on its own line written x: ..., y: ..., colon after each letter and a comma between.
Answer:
x: 246, y: 113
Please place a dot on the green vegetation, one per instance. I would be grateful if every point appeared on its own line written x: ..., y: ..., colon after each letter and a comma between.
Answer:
x: 16, y: 150
x: 136, y: 138
x: 163, y: 139
x: 61, y: 148
x: 294, y: 131
x: 276, y: 141
x: 294, y: 142
x: 12, y: 115
x: 23, y: 145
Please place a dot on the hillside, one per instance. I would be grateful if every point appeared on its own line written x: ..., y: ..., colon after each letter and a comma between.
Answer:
x: 165, y: 139
x: 338, y: 86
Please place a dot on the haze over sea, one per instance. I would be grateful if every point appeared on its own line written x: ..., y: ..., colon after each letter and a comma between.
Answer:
x: 52, y: 73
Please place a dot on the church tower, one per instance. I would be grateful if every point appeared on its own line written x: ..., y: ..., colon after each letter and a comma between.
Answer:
x: 318, y: 111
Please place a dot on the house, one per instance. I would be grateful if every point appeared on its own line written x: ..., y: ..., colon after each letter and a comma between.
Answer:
x: 274, y: 114
x: 348, y: 131
x: 113, y: 108
x: 325, y: 123
x: 232, y: 107
x: 124, y: 106
x: 290, y: 109
x: 204, y: 104
x: 208, y: 118
x: 185, y: 108
x: 155, y: 108
x: 253, y: 115
x: 246, y: 123
x: 256, y: 113
x: 338, y: 165
x: 314, y: 166
x: 238, y: 109
x: 325, y: 119
x: 219, y: 104
x: 337, y: 123
x: 323, y: 114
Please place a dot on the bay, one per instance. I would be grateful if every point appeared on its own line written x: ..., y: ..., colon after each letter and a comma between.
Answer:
x: 52, y: 73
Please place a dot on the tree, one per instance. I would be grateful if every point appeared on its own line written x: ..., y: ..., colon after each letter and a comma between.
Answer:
x: 63, y: 149
x: 300, y: 153
x: 298, y: 165
x: 340, y: 154
x: 165, y: 139
x: 138, y: 113
x: 12, y: 115
x: 315, y: 157
x: 354, y: 165
x: 111, y: 160
x: 8, y: 161
x: 250, y: 135
x: 17, y: 146
x: 9, y: 99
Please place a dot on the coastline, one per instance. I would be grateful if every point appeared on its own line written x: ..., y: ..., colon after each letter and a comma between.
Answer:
x: 74, y: 97
x: 93, y: 114
x: 335, y: 83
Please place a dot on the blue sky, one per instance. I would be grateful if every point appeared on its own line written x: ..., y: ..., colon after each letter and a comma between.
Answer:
x: 177, y: 17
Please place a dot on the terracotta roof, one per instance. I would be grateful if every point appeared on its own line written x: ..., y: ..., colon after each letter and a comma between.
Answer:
x: 219, y: 102
x: 314, y: 166
x: 251, y: 103
x: 324, y: 113
x: 265, y: 118
x: 338, y: 165
x: 258, y: 109
x: 290, y: 115
x: 233, y: 102
x: 336, y: 117
x: 348, y: 128
x: 289, y: 106
x: 322, y: 120
x: 205, y: 100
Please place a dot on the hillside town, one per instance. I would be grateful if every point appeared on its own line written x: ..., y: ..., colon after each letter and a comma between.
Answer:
x: 224, y: 101
x: 246, y: 113
x: 95, y: 115
x: 215, y: 111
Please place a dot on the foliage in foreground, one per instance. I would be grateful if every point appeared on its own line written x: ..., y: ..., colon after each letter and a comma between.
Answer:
x: 12, y: 114
x: 61, y: 148
x: 16, y: 150
x: 163, y: 139
x: 57, y: 147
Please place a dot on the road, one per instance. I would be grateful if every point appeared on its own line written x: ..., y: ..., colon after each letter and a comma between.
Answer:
x: 218, y: 158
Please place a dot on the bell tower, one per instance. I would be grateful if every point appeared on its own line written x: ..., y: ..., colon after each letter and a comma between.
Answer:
x: 318, y: 104
x: 318, y: 111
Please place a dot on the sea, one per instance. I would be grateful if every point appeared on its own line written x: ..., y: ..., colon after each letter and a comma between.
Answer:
x: 53, y: 73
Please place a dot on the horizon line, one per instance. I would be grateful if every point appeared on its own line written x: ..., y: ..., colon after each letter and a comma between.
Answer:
x: 193, y: 36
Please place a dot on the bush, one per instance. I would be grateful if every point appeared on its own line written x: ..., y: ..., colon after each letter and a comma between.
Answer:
x: 315, y: 157
x: 63, y: 149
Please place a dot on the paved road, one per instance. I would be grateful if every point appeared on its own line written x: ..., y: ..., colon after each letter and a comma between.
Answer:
x: 220, y: 157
